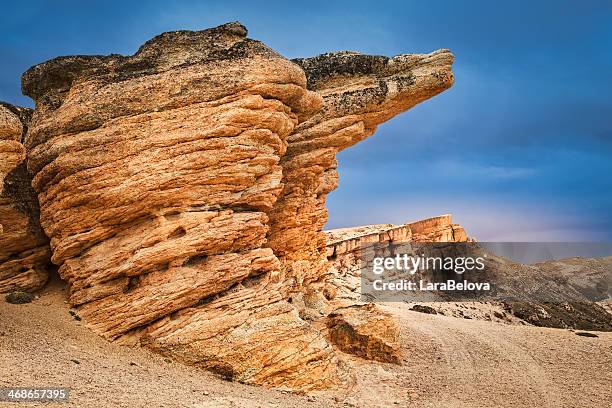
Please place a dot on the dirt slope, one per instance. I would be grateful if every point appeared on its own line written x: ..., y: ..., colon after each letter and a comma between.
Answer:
x: 450, y: 362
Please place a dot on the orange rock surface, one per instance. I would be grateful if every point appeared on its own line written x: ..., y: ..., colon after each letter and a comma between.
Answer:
x: 24, y: 249
x: 183, y: 191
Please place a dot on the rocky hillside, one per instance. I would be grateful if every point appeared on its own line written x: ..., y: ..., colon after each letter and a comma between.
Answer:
x: 572, y: 293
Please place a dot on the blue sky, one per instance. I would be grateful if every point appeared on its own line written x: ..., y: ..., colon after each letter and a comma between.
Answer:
x: 520, y: 149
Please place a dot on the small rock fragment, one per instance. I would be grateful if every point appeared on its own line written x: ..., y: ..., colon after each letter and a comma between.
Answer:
x: 18, y: 297
x: 424, y: 309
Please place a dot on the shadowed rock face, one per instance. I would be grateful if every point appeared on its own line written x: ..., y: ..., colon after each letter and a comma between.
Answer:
x: 183, y: 190
x: 24, y: 248
x: 11, y: 149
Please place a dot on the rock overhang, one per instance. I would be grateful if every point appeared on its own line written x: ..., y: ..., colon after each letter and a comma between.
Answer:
x: 191, y: 178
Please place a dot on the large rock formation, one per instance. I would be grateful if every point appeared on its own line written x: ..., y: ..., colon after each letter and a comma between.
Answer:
x: 183, y: 190
x: 24, y: 248
x: 435, y: 229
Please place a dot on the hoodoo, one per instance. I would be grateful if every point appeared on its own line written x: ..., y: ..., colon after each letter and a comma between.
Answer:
x: 183, y: 190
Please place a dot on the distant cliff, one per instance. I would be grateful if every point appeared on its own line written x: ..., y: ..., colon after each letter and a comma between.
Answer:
x: 345, y: 246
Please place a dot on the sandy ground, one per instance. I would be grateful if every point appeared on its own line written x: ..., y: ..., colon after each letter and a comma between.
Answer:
x: 470, y: 363
x: 450, y: 362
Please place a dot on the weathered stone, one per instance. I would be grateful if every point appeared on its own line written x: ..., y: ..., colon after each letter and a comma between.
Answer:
x: 360, y: 92
x: 365, y: 331
x: 12, y: 151
x: 24, y: 248
x: 183, y: 191
x: 155, y: 174
x: 437, y: 229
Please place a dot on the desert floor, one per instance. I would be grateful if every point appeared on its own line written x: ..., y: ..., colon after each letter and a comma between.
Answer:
x: 449, y: 362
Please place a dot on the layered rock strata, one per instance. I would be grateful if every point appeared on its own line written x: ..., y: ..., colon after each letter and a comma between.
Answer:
x: 12, y: 151
x: 359, y: 93
x: 24, y: 248
x: 346, y: 246
x: 434, y: 229
x: 183, y: 190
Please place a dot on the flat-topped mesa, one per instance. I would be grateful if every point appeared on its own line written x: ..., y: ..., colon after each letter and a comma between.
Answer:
x: 435, y: 229
x: 159, y: 176
x: 345, y: 247
x: 24, y: 248
x: 359, y: 92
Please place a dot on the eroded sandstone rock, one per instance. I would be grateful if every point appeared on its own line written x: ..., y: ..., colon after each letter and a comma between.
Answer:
x: 360, y: 92
x: 24, y: 248
x: 183, y: 190
x: 155, y: 174
x: 365, y: 331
